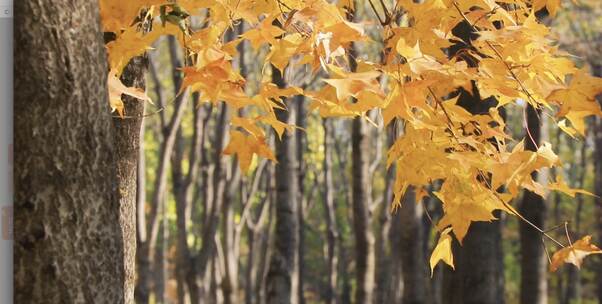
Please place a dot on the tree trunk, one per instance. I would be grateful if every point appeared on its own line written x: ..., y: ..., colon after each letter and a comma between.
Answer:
x: 573, y: 286
x: 301, y: 145
x: 362, y: 218
x: 479, y: 273
x: 478, y: 277
x: 203, y: 260
x: 127, y: 144
x: 332, y: 235
x: 67, y: 205
x: 283, y: 278
x: 147, y: 249
x: 160, y: 271
x: 413, y: 258
x: 230, y: 280
x: 390, y: 282
x: 361, y: 201
x: 597, y: 69
x: 533, y: 287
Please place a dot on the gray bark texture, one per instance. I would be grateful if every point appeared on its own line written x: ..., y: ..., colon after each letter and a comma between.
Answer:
x: 126, y: 137
x: 72, y: 245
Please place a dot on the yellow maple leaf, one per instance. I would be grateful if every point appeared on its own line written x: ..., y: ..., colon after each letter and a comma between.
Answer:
x: 265, y: 32
x: 560, y: 185
x: 574, y: 254
x: 443, y: 251
x: 466, y: 201
x: 578, y: 100
x: 117, y: 88
x: 246, y: 147
x: 551, y: 5
x: 350, y: 84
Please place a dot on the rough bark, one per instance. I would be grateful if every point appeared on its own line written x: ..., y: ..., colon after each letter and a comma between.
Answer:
x: 127, y: 142
x: 283, y: 279
x: 66, y: 203
x: 533, y: 287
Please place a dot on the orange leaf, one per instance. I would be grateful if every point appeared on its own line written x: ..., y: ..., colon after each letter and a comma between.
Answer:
x: 574, y: 254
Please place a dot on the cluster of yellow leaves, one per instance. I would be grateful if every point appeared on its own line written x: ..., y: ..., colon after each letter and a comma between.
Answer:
x: 512, y: 58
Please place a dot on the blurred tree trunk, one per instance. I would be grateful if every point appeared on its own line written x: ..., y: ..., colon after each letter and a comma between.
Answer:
x: 413, y: 259
x: 434, y: 211
x: 332, y: 234
x: 203, y: 261
x: 232, y: 229
x: 341, y: 149
x: 283, y: 277
x: 161, y: 263
x: 302, y: 201
x: 267, y: 239
x: 183, y: 183
x: 597, y: 71
x: 230, y: 239
x: 390, y: 282
x: 147, y: 243
x: 479, y: 272
x: 573, y: 286
x: 361, y: 201
x: 72, y: 227
x: 598, y: 198
x: 362, y: 218
x: 478, y: 277
x: 254, y: 272
x: 534, y: 284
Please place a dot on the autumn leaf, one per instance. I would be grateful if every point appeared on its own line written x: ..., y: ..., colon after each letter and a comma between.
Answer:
x: 117, y: 88
x: 350, y: 84
x: 551, y: 5
x: 578, y: 100
x: 443, y: 251
x: 574, y: 254
x: 246, y: 147
x: 560, y: 185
